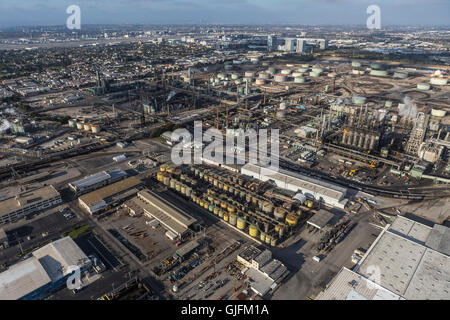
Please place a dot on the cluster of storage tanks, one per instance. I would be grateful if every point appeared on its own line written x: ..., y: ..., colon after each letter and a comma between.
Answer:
x: 80, y: 125
x: 229, y: 198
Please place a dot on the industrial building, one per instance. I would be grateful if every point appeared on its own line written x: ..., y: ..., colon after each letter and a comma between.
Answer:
x: 266, y: 273
x: 97, y: 180
x: 408, y: 260
x: 27, y: 202
x: 46, y: 271
x: 101, y: 198
x: 331, y: 194
x: 187, y: 249
x: 173, y: 219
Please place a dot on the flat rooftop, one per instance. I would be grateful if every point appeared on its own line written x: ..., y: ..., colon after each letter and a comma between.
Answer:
x: 300, y: 181
x: 249, y: 253
x: 320, y: 219
x: 187, y: 248
x: 22, y: 278
x: 97, y: 178
x: 407, y: 268
x: 173, y: 218
x: 58, y: 256
x: 348, y: 285
x: 99, y: 195
x: 410, y: 229
x: 27, y: 198
x: 439, y: 239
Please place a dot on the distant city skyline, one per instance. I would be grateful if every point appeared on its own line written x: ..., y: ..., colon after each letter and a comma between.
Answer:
x: 300, y: 12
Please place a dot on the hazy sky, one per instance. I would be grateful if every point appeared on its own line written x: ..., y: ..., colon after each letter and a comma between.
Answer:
x: 320, y: 12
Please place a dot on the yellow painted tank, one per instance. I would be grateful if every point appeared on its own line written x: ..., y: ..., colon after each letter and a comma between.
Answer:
x: 268, y: 239
x: 173, y: 183
x: 169, y: 169
x: 225, y: 217
x: 253, y: 230
x: 231, y: 209
x: 309, y: 203
x: 159, y: 176
x: 277, y: 228
x: 226, y: 187
x: 223, y: 205
x: 162, y: 168
x: 241, y: 223
x: 201, y: 203
x: 206, y: 205
x: 216, y: 211
x: 291, y: 219
x: 194, y: 198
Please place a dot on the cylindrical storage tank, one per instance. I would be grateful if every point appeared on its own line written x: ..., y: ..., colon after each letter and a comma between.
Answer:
x: 206, y: 205
x: 359, y: 100
x: 87, y: 127
x: 235, y: 76
x: 268, y: 239
x: 221, y: 214
x: 280, y: 114
x: 253, y: 230
x: 194, y: 198
x: 231, y: 209
x: 286, y: 71
x: 178, y: 186
x: 95, y: 128
x: 263, y: 75
x: 375, y: 66
x: 225, y: 217
x: 266, y: 227
x: 423, y: 86
x: 260, y: 82
x: 211, y: 207
x: 401, y: 74
x: 80, y: 126
x: 169, y: 169
x: 172, y: 183
x: 372, y: 142
x: 201, y: 203
x: 438, y: 113
x: 279, y: 213
x: 267, y: 207
x: 223, y: 205
x: 439, y: 81
x: 281, y: 231
x: 344, y: 138
x: 216, y: 211
x: 240, y: 223
x: 361, y: 140
x: 220, y: 185
x: 188, y: 192
x: 356, y: 64
x: 225, y: 187
x: 72, y: 123
x: 280, y: 78
x: 221, y: 76
x: 183, y: 189
x: 367, y: 142
x: 262, y: 236
x: 379, y: 73
x: 291, y: 219
x: 300, y: 198
x: 273, y: 242
x: 162, y: 167
x: 233, y: 219
x: 299, y: 80
x: 159, y: 176
x: 166, y: 179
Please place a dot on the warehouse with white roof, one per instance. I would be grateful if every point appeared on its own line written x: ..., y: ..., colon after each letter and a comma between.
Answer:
x: 331, y: 194
x: 46, y: 271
